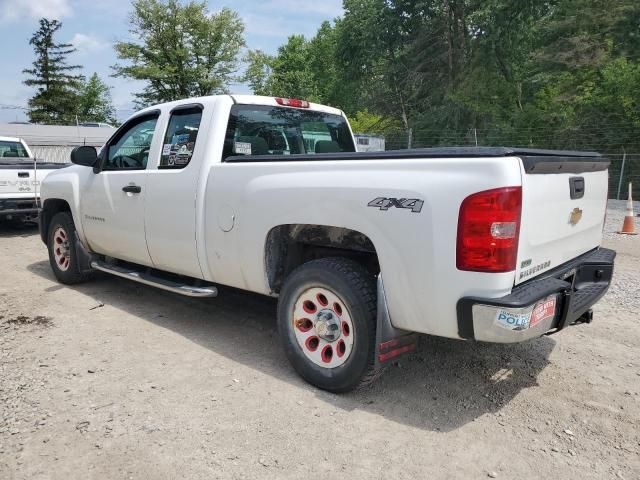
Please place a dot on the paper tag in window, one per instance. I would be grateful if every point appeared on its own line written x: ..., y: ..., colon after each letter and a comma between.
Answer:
x: 242, y: 148
x: 166, y: 149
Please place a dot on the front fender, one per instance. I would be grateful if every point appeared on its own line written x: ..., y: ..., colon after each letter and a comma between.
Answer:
x: 66, y: 185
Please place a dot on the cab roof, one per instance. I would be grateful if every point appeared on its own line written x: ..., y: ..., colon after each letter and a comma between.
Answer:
x: 240, y: 99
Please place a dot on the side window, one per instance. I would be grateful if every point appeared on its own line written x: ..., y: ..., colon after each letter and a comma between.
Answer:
x: 180, y: 139
x: 130, y: 149
x: 12, y: 149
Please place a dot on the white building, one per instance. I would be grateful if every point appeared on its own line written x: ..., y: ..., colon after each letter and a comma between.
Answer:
x: 369, y: 143
x: 53, y: 143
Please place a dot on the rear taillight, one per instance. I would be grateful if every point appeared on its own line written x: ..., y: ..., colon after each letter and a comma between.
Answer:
x: 292, y: 102
x: 488, y: 230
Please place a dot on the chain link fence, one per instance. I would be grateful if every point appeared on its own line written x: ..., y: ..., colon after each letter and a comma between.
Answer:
x: 624, y: 168
x: 52, y: 153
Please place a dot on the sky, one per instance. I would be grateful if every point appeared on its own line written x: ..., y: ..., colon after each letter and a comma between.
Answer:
x: 93, y: 26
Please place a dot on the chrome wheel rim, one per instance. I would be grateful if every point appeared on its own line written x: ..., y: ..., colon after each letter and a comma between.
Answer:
x: 323, y: 327
x: 61, y: 250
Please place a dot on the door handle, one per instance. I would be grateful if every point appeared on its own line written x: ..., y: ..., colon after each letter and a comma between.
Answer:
x: 132, y: 189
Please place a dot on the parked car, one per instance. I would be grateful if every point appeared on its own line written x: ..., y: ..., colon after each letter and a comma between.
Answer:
x: 20, y: 178
x: 363, y: 250
x: 370, y: 143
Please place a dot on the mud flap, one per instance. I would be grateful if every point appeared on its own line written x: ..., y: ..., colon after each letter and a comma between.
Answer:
x: 390, y: 341
x: 83, y: 256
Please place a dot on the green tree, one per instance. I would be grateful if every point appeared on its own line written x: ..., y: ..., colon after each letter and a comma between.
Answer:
x: 549, y: 74
x: 258, y: 72
x: 51, y: 75
x: 94, y: 102
x: 180, y: 50
x: 374, y: 39
x: 288, y: 74
x: 301, y: 69
x: 367, y: 122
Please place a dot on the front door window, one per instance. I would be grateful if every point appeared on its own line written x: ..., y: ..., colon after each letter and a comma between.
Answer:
x: 130, y: 149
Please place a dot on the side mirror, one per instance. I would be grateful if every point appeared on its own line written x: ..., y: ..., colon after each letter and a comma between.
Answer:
x: 86, y: 156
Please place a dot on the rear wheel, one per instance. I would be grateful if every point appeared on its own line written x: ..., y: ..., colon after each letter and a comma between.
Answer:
x: 62, y: 253
x: 326, y: 321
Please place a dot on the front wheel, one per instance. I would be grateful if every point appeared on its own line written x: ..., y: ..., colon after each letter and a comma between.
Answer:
x: 326, y: 321
x: 63, y: 257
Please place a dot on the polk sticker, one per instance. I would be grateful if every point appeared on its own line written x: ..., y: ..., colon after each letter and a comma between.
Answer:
x: 166, y: 149
x: 242, y: 148
x: 512, y: 321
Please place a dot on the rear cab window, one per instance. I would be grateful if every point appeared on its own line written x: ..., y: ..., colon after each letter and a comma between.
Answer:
x: 267, y: 130
x: 9, y: 149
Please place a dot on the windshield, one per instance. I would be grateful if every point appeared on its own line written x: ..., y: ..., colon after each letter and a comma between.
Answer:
x: 12, y: 150
x: 264, y: 130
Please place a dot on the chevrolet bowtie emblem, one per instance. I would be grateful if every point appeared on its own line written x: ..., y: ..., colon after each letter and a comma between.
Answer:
x: 575, y: 217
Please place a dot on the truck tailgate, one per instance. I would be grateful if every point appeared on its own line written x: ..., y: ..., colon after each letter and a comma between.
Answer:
x: 19, y: 178
x: 564, y: 200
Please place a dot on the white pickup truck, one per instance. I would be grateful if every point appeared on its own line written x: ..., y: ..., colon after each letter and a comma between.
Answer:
x: 363, y: 250
x: 20, y: 178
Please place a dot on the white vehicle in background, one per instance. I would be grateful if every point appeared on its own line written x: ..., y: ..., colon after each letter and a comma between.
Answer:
x: 370, y: 143
x: 20, y: 178
x: 363, y: 250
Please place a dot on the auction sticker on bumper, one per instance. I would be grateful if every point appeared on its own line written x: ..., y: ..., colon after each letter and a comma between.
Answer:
x: 512, y: 320
x: 544, y: 310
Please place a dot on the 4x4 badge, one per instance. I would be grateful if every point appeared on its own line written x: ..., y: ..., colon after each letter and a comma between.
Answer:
x: 384, y: 203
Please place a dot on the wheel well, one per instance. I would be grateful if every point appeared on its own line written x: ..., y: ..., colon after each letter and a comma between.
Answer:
x: 289, y: 246
x: 49, y: 209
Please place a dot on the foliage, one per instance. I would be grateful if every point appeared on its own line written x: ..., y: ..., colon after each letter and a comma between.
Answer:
x: 557, y: 74
x: 180, y: 50
x: 94, y: 102
x: 371, y: 123
x: 258, y: 72
x: 288, y: 74
x: 51, y: 75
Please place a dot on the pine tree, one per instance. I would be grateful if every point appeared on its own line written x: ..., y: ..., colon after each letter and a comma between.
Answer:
x: 56, y: 85
x: 94, y: 101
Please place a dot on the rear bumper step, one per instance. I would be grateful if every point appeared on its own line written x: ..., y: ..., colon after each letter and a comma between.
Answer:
x: 154, y: 281
x: 562, y: 297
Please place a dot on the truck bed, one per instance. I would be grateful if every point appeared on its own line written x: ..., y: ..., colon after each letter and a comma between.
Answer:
x: 27, y: 164
x: 531, y: 157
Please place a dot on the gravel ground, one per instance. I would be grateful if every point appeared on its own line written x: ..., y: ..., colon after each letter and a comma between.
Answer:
x: 112, y: 379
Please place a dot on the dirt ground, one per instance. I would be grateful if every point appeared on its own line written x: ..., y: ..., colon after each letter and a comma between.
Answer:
x: 114, y: 380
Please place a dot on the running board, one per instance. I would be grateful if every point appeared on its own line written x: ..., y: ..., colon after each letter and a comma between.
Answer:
x: 147, y: 279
